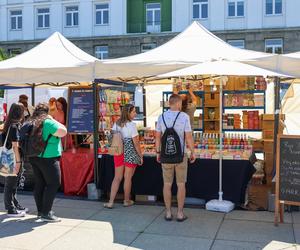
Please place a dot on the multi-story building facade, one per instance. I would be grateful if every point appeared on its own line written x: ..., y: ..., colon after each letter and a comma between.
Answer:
x: 115, y: 28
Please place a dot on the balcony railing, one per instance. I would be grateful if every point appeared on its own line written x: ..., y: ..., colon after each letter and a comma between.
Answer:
x: 148, y: 27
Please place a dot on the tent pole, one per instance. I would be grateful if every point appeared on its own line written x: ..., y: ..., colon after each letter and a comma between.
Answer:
x: 96, y: 132
x: 221, y: 139
x: 144, y: 106
x: 33, y: 95
x: 276, y: 120
x: 220, y: 205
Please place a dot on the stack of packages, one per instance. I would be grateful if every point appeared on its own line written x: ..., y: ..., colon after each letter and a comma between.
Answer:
x: 261, y: 83
x: 259, y: 100
x: 237, y: 121
x: 250, y: 120
x: 245, y: 120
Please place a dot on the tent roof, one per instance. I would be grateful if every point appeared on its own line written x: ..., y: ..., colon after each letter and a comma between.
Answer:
x: 228, y: 68
x: 194, y: 45
x: 54, y: 60
x: 287, y: 64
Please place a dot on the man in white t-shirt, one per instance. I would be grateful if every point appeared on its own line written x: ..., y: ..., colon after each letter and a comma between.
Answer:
x: 183, y: 129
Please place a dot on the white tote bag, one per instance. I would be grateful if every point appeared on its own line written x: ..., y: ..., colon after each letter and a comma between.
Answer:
x: 7, y: 160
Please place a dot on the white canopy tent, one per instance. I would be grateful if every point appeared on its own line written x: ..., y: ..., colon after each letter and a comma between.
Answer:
x: 291, y: 108
x: 54, y: 60
x: 287, y: 64
x: 194, y: 45
x: 223, y: 67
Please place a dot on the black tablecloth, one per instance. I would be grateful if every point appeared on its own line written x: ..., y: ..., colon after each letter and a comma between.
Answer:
x: 202, y: 181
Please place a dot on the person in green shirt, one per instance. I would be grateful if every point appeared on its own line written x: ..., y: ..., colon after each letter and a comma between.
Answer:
x: 46, y: 166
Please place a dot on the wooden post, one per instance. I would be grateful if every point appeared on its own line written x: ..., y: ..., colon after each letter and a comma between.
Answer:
x: 96, y: 131
x: 277, y: 182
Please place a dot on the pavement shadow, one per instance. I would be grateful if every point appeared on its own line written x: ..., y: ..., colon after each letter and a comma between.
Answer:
x: 17, y: 226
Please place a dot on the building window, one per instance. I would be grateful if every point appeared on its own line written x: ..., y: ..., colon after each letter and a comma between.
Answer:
x: 237, y: 43
x: 14, y: 52
x: 235, y: 8
x: 200, y: 9
x: 102, y: 14
x: 101, y: 52
x: 147, y: 46
x: 16, y: 19
x: 273, y: 7
x: 153, y: 14
x: 274, y: 46
x: 43, y: 18
x: 72, y: 16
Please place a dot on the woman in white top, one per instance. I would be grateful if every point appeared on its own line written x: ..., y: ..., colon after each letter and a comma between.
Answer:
x: 126, y: 163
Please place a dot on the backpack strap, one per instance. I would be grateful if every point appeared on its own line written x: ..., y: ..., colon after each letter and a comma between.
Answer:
x: 46, y: 144
x: 176, y: 119
x: 164, y: 121
x: 7, y: 134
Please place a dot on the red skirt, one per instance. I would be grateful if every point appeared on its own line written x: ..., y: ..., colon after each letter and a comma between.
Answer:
x: 119, y: 162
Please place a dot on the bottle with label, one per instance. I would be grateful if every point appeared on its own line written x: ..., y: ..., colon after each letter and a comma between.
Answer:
x: 224, y: 141
x: 242, y: 144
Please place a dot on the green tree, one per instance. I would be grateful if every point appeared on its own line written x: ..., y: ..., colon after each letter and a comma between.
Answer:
x: 3, y: 55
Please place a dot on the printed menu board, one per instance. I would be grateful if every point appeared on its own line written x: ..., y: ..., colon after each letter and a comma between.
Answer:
x: 80, y: 111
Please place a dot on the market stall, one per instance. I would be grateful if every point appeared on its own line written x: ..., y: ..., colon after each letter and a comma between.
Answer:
x: 242, y: 102
x: 56, y: 62
x: 243, y: 115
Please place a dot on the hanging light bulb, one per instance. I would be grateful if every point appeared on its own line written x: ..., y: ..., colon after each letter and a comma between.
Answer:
x: 211, y: 82
x: 214, y: 88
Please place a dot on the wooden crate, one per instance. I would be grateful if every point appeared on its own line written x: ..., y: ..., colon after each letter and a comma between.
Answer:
x: 268, y: 146
x: 146, y: 198
x: 269, y: 160
x: 230, y: 84
x: 212, y: 99
x: 240, y: 83
x: 271, y: 117
x: 268, y: 134
x: 268, y: 125
x: 258, y: 145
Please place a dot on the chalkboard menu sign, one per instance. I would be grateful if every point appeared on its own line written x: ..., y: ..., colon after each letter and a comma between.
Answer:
x: 80, y: 111
x: 287, y: 173
x: 289, y: 169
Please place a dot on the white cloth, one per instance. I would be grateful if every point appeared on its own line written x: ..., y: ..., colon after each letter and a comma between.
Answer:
x: 128, y: 131
x: 181, y: 126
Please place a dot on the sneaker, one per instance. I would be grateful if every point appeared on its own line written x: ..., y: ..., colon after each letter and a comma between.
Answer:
x: 15, y: 213
x: 50, y: 217
x: 22, y: 209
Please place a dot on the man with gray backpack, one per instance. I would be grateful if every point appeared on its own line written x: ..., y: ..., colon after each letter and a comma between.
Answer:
x: 173, y: 132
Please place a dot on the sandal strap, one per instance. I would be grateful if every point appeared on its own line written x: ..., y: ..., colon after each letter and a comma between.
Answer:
x: 128, y: 203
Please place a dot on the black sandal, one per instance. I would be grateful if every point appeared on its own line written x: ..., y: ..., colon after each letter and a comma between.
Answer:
x: 169, y: 218
x: 182, y: 219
